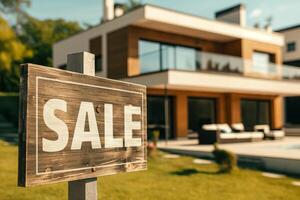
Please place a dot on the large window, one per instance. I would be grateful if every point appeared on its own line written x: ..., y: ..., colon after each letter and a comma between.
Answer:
x: 167, y: 56
x: 261, y: 62
x: 149, y: 56
x: 292, y: 110
x: 185, y: 58
x: 255, y: 112
x: 98, y: 63
x: 201, y: 111
x: 155, y: 56
x: 156, y: 115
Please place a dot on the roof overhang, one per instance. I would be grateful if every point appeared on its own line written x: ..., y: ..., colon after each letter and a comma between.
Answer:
x: 217, y: 82
x: 157, y: 18
x: 185, y: 24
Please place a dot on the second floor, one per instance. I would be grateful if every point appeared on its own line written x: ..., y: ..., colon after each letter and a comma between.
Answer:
x: 152, y: 39
x: 134, y: 51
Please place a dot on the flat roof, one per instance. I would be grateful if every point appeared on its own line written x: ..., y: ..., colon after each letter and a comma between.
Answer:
x: 288, y: 28
x: 155, y: 17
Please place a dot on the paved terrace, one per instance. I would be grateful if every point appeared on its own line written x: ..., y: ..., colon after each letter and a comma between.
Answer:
x: 271, y: 155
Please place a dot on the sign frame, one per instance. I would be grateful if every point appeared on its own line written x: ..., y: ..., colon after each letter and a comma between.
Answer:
x: 29, y: 97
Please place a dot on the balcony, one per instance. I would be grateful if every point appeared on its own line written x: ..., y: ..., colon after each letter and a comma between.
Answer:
x: 198, y: 61
x: 217, y: 73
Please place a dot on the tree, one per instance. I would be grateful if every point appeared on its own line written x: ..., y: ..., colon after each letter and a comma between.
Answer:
x: 12, y: 53
x: 40, y: 35
x: 131, y: 4
x: 13, y: 6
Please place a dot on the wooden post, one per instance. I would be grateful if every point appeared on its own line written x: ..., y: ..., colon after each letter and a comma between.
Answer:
x: 85, y: 189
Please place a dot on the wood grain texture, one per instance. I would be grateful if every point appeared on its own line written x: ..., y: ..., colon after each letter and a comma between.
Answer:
x: 117, y: 53
x: 38, y: 85
x: 96, y: 45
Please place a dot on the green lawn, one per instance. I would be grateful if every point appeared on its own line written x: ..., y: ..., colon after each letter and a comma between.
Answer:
x: 166, y: 178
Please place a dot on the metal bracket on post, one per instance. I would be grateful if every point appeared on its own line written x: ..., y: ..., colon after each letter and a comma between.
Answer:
x: 85, y: 189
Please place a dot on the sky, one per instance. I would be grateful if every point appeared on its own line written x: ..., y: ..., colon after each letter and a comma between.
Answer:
x: 284, y: 12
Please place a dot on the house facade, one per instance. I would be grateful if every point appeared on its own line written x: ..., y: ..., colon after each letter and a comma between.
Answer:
x: 291, y: 56
x: 197, y: 70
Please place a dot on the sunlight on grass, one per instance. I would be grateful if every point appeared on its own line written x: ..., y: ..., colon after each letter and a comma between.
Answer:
x: 176, y: 178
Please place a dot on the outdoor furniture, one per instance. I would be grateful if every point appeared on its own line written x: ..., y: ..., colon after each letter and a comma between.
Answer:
x: 238, y: 127
x: 192, y: 134
x: 222, y: 133
x: 268, y: 133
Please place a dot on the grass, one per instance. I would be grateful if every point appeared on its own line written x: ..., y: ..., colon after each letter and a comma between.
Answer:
x: 177, y: 178
x: 9, y: 94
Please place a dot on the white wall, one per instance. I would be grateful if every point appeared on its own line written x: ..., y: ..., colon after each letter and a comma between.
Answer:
x: 80, y: 42
x: 217, y: 82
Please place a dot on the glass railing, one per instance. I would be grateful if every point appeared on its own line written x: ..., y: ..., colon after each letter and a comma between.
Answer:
x: 290, y: 72
x: 220, y: 63
x: 213, y: 62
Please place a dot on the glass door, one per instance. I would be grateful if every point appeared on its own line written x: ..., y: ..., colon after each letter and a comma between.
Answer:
x: 255, y: 112
x: 156, y: 115
x: 200, y: 111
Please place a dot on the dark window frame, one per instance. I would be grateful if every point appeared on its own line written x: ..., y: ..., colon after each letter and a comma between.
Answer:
x: 291, y: 46
x: 101, y: 67
x: 214, y: 100
x: 171, y: 103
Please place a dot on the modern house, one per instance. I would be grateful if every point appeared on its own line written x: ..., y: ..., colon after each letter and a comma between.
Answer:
x: 197, y: 70
x: 291, y: 56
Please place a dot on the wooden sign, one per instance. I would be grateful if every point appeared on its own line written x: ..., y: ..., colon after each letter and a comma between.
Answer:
x: 74, y: 126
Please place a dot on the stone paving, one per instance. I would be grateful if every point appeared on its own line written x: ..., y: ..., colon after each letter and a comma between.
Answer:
x: 268, y: 148
x: 281, y: 156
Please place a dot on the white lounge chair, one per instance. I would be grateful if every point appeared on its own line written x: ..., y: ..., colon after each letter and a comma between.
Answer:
x: 268, y: 133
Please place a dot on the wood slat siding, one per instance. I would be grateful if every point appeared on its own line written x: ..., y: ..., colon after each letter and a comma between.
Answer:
x: 117, y: 51
x: 68, y: 165
x: 96, y: 46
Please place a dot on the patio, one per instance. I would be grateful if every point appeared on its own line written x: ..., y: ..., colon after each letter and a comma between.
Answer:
x: 281, y: 156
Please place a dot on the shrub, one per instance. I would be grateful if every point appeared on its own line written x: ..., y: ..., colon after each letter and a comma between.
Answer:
x: 152, y: 145
x: 226, y: 160
x: 9, y: 107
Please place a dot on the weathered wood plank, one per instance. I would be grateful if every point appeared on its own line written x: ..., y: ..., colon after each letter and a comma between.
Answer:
x: 41, y: 84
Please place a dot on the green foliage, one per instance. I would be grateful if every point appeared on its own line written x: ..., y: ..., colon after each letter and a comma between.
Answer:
x: 9, y: 104
x: 131, y: 4
x: 13, y: 6
x: 152, y: 144
x: 32, y: 43
x: 225, y: 159
x: 40, y: 35
x: 154, y: 136
x: 12, y: 53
